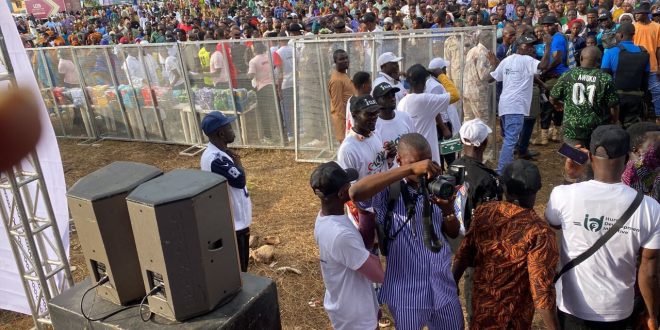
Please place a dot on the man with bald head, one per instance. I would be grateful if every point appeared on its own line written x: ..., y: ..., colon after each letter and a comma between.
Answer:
x: 587, y: 97
x: 508, y: 46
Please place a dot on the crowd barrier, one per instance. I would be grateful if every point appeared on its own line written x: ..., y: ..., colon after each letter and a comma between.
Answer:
x: 160, y: 92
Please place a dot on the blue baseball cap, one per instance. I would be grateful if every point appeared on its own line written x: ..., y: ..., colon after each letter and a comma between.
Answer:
x: 214, y: 120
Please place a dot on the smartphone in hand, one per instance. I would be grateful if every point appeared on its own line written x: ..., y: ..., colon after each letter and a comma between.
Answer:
x: 573, y: 154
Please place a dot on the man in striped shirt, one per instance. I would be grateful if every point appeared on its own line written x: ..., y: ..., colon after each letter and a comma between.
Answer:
x: 419, y: 288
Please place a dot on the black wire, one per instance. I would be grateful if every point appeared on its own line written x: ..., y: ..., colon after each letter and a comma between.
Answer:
x: 103, y: 280
x: 154, y: 290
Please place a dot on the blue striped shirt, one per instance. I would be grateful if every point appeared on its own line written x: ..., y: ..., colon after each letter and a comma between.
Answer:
x: 415, y: 277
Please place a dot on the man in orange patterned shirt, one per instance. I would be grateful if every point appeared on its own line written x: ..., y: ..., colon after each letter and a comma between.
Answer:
x: 514, y: 253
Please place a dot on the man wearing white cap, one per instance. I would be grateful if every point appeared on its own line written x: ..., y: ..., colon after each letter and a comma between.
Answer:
x: 482, y: 181
x: 389, y: 73
x: 439, y: 83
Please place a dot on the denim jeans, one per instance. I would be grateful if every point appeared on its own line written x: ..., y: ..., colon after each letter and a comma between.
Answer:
x: 654, y: 88
x: 526, y: 135
x: 512, y: 125
x: 287, y: 110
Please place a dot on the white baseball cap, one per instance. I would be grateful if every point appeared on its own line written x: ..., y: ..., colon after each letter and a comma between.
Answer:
x: 388, y: 57
x: 388, y: 20
x: 438, y: 63
x: 474, y: 132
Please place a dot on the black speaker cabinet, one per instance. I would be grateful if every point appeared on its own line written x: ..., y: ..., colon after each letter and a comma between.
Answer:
x: 186, y: 242
x: 98, y: 207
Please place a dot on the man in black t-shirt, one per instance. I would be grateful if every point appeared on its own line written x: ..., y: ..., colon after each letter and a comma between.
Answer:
x: 483, y: 185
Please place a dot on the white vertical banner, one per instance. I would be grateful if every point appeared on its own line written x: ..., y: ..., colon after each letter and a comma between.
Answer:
x: 12, y: 294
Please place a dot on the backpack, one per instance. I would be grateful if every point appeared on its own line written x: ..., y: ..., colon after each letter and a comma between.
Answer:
x: 631, y: 69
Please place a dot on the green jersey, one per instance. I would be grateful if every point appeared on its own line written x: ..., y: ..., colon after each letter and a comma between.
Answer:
x: 588, y: 95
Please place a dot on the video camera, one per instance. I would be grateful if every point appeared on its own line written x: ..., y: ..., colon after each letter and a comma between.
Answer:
x: 444, y: 185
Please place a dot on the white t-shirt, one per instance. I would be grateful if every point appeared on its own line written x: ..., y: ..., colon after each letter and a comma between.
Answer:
x: 286, y: 54
x: 435, y: 87
x: 366, y: 156
x: 382, y: 77
x: 133, y: 69
x: 349, y: 300
x: 172, y: 65
x: 602, y: 287
x: 517, y: 75
x: 423, y: 108
x: 217, y: 66
x: 68, y: 69
x: 241, y: 205
x: 391, y: 130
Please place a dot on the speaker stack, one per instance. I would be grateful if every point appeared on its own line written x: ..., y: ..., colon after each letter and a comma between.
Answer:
x: 185, y: 239
x: 98, y: 206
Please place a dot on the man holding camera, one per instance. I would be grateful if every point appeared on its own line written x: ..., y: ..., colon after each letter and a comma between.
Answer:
x: 482, y: 181
x: 419, y: 288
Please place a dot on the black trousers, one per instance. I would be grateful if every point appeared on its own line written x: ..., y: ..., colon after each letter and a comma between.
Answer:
x: 243, y: 243
x: 550, y: 115
x: 631, y: 109
x: 267, y: 108
x: 570, y: 322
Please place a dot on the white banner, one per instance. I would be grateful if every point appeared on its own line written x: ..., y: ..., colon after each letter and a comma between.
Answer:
x: 12, y: 294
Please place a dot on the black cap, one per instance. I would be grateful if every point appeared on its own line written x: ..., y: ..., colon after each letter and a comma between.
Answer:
x: 549, y: 20
x: 417, y: 74
x: 362, y: 103
x: 526, y: 39
x: 384, y: 88
x: 521, y: 177
x: 644, y: 8
x: 614, y: 139
x: 369, y: 18
x: 604, y: 15
x: 293, y: 27
x: 329, y: 177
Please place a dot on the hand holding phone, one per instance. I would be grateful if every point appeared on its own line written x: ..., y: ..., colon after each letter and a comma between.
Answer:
x: 575, y: 154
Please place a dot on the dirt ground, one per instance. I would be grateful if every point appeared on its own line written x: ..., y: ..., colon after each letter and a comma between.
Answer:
x: 283, y: 205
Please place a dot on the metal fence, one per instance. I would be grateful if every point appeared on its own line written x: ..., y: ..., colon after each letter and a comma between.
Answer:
x: 313, y: 65
x: 160, y: 92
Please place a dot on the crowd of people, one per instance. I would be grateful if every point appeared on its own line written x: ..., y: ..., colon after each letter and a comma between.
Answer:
x: 584, y: 72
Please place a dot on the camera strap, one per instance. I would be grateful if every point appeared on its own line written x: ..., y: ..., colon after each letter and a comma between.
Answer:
x: 410, y: 203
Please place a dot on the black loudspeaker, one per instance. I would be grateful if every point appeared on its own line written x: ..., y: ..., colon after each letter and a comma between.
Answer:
x: 184, y: 233
x: 98, y: 207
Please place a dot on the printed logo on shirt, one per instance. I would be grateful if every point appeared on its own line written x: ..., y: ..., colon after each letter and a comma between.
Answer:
x: 510, y: 71
x: 394, y: 142
x: 602, y: 223
x: 375, y: 166
x: 593, y: 224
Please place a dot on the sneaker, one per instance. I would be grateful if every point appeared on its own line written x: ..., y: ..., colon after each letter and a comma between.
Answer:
x: 313, y: 143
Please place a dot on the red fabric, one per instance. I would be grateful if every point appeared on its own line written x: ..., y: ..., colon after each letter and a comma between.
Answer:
x: 277, y: 60
x: 230, y: 62
x: 353, y: 210
x: 185, y: 27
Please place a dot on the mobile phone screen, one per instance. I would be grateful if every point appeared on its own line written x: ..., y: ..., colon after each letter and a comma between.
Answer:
x: 573, y: 154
